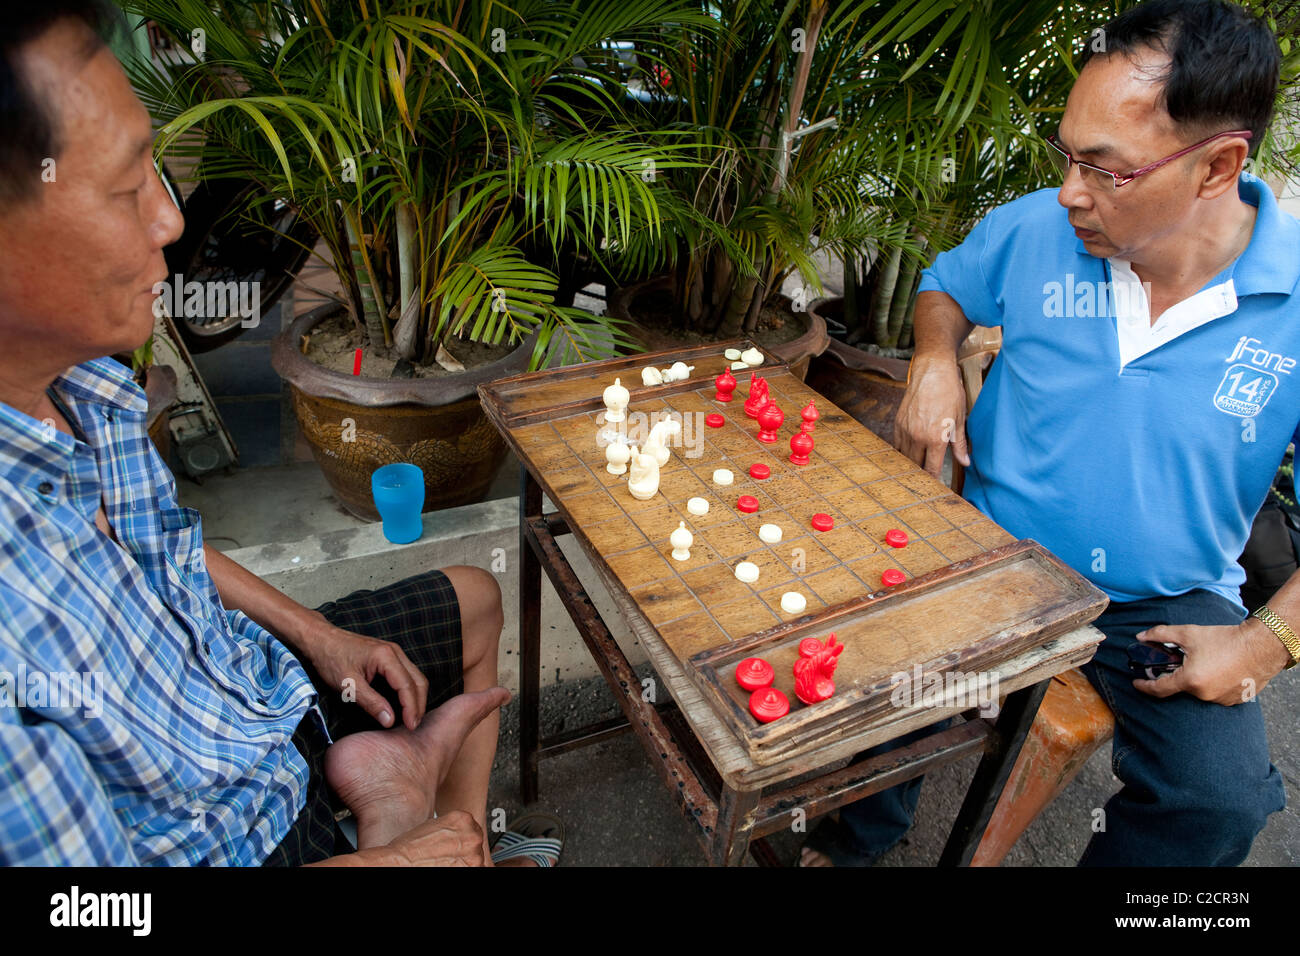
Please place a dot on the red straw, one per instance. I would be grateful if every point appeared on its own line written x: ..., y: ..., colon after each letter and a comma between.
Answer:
x: 356, y: 363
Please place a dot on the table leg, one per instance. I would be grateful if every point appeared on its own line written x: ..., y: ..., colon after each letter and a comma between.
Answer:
x: 737, y: 813
x: 530, y: 640
x: 991, y: 775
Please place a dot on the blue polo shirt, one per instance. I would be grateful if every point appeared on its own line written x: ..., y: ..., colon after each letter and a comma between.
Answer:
x: 1143, y: 477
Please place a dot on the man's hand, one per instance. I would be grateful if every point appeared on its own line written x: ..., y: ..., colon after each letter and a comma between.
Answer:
x: 450, y: 840
x: 1223, y: 665
x: 340, y: 655
x: 453, y: 839
x: 932, y: 415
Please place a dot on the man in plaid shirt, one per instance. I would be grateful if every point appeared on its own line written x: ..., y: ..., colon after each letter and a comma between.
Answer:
x: 159, y: 704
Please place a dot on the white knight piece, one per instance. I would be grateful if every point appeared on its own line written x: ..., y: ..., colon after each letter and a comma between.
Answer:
x: 657, y: 444
x: 643, y: 481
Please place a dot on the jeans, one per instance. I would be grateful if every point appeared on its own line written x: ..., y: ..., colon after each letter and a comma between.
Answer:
x: 1198, y: 783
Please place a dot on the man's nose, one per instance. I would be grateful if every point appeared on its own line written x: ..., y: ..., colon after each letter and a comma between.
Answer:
x: 1073, y: 194
x: 168, y: 223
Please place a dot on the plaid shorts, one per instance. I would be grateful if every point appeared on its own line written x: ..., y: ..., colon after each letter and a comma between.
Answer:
x: 421, y: 615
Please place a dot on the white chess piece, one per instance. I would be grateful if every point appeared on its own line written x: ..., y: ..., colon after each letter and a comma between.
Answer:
x: 668, y: 375
x: 616, y: 398
x: 657, y: 443
x: 747, y: 571
x: 732, y: 355
x: 681, y: 371
x: 617, y: 455
x: 681, y: 540
x: 751, y: 356
x: 698, y: 506
x: 643, y: 481
x: 792, y: 602
x: 651, y: 376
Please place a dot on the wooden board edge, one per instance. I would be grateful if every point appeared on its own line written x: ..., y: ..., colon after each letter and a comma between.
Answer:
x: 492, y: 391
x: 1081, y: 608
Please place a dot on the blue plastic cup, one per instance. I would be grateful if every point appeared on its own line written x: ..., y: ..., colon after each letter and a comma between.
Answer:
x: 399, y: 498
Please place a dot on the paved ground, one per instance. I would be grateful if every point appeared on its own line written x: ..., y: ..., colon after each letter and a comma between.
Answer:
x: 617, y: 813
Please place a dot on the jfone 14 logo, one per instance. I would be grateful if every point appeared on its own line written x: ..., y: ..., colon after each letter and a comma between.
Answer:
x: 1251, y: 378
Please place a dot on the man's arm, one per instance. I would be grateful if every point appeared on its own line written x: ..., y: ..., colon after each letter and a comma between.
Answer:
x: 933, y: 410
x: 336, y: 654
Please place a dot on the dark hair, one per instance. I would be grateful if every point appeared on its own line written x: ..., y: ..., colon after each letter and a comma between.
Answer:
x: 1223, y: 62
x: 28, y: 130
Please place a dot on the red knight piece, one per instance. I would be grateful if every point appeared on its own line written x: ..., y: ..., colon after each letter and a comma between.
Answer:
x: 812, y: 674
x: 769, y: 420
x: 801, y: 446
x: 758, y: 399
x: 809, y: 416
x: 726, y: 384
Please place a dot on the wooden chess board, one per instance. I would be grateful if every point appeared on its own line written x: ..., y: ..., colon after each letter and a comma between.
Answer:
x: 974, y: 596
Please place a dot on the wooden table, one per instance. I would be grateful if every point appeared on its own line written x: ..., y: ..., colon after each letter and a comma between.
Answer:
x: 976, y: 602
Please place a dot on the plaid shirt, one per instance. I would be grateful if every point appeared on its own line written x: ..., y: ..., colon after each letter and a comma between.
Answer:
x: 184, y: 755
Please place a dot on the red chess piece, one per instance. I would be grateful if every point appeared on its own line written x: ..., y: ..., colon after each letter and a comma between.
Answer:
x: 812, y: 674
x: 801, y: 445
x: 754, y: 673
x: 769, y: 420
x: 768, y: 703
x: 726, y: 384
x: 809, y: 416
x: 809, y: 646
x: 758, y: 398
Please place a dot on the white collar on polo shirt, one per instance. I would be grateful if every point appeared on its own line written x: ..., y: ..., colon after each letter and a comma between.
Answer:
x: 1137, y: 336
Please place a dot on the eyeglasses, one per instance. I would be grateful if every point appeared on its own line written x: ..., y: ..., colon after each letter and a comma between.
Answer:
x: 1109, y: 181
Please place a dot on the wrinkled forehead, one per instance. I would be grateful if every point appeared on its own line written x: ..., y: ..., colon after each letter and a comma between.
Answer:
x: 96, y: 116
x: 1115, y: 108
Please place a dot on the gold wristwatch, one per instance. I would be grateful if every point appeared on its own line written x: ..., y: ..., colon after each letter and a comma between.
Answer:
x: 1283, y: 632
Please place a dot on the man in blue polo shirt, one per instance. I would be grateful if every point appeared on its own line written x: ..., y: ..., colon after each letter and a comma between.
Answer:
x: 1146, y: 389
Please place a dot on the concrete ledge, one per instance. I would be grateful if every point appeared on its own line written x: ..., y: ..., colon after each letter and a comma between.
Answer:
x: 329, y: 565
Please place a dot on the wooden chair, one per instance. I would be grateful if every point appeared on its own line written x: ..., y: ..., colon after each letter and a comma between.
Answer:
x: 1073, y: 720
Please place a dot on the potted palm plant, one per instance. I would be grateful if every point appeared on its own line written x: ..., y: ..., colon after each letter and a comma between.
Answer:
x: 970, y: 90
x: 759, y: 206
x: 433, y: 146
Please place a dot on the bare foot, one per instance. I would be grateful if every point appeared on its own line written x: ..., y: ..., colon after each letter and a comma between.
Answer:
x: 389, y: 778
x: 811, y: 857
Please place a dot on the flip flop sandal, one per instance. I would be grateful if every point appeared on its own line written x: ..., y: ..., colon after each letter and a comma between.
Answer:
x: 833, y: 839
x: 536, y: 836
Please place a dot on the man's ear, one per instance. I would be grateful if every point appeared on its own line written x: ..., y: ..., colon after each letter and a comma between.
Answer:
x: 1222, y: 165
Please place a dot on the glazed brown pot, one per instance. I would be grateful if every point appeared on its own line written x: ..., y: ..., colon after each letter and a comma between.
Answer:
x: 868, y: 387
x: 795, y: 353
x: 354, y: 424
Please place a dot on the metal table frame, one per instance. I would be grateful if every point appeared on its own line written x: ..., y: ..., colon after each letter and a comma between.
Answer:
x: 731, y: 820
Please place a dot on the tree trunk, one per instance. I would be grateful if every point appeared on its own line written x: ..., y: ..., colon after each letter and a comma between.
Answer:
x: 850, y: 315
x: 901, y: 298
x: 883, y: 296
x: 733, y: 318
